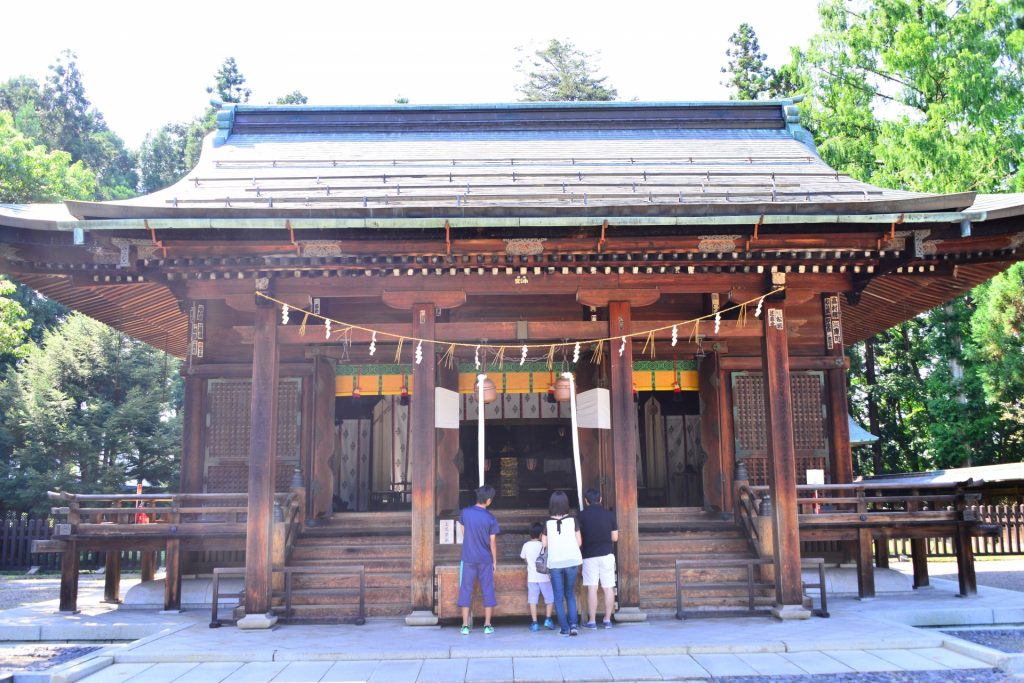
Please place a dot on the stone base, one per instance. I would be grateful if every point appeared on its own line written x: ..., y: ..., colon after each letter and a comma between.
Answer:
x: 630, y: 615
x: 170, y: 611
x: 257, y: 621
x: 790, y: 612
x: 421, y: 617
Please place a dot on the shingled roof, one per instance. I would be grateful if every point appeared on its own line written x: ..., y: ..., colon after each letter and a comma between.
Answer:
x: 547, y: 159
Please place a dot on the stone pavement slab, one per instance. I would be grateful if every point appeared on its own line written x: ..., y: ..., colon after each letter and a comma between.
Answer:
x: 817, y: 663
x: 908, y: 660
x: 118, y: 672
x: 490, y: 670
x: 164, y: 673
x: 536, y: 670
x: 256, y: 672
x: 725, y: 665
x: 672, y: 667
x: 442, y: 670
x: 631, y: 668
x: 770, y: 664
x: 344, y: 672
x: 950, y: 659
x: 859, y: 660
x: 302, y: 672
x: 583, y: 669
x: 404, y: 671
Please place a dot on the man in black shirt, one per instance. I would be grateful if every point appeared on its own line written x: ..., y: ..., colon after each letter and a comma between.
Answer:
x: 599, y: 530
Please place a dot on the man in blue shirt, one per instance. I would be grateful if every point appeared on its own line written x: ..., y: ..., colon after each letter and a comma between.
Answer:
x: 479, y: 556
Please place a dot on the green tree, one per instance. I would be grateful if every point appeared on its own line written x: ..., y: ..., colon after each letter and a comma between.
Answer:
x: 87, y: 410
x: 30, y: 173
x: 562, y: 73
x: 997, y: 335
x: 294, y: 97
x: 230, y: 83
x: 13, y: 325
x: 927, y: 95
x: 749, y: 74
x: 162, y: 157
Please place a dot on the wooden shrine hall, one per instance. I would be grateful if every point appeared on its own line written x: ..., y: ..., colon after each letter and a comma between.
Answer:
x: 335, y: 280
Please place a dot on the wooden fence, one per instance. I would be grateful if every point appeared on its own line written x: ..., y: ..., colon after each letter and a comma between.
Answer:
x: 1010, y: 542
x: 17, y: 534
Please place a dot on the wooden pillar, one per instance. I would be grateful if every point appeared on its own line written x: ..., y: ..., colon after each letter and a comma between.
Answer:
x: 965, y: 562
x: 320, y: 477
x: 624, y: 462
x: 69, y: 578
x: 112, y: 577
x: 447, y: 450
x: 423, y: 454
x: 919, y: 556
x: 715, y: 435
x: 594, y: 470
x: 262, y: 446
x: 172, y: 576
x: 193, y: 425
x: 147, y: 565
x: 838, y: 410
x: 778, y: 403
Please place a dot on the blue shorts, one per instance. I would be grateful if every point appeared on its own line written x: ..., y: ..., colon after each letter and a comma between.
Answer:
x: 471, y: 573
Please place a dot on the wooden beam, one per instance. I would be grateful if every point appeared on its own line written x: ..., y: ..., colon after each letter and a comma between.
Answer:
x: 405, y: 300
x: 262, y: 446
x: 221, y: 370
x: 624, y: 412
x: 112, y: 577
x: 795, y: 363
x: 504, y: 285
x: 712, y: 435
x: 147, y: 565
x: 781, y: 457
x: 537, y: 332
x: 600, y: 298
x: 423, y: 455
x: 320, y: 491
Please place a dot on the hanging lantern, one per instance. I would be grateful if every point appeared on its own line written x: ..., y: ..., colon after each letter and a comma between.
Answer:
x: 551, y: 390
x: 355, y: 387
x: 636, y: 395
x: 490, y: 391
x: 531, y: 463
x: 563, y: 389
x: 676, y: 388
x: 403, y: 397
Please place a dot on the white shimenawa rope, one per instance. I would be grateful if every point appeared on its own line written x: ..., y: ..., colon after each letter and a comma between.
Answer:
x: 480, y: 425
x: 575, y: 436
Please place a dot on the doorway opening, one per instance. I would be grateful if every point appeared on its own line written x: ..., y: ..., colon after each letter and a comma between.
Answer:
x: 670, y: 460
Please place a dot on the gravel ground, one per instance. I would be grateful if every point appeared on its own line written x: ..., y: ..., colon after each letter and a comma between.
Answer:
x: 19, y: 590
x: 960, y: 676
x: 1005, y: 640
x: 38, y: 656
x: 1006, y: 573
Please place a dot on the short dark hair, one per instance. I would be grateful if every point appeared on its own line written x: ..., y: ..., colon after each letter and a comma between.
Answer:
x: 592, y: 496
x: 536, y: 529
x: 484, y: 494
x: 559, y: 504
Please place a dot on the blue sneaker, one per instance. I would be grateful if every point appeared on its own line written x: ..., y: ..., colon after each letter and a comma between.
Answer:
x: 549, y: 625
x: 607, y: 624
x: 591, y: 625
x: 534, y: 627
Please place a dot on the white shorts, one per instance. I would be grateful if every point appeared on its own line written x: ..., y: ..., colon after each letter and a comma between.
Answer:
x: 599, y: 569
x: 535, y: 590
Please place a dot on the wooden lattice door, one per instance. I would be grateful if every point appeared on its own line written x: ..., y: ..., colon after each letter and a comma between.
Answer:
x: 810, y: 419
x: 227, y: 433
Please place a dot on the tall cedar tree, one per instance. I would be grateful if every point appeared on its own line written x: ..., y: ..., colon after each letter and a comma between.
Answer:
x: 562, y: 73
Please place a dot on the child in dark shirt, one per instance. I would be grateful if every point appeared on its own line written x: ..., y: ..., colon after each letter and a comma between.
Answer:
x: 479, y: 556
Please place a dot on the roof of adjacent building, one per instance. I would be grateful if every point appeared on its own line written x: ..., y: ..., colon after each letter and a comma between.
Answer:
x: 527, y: 159
x: 1005, y: 472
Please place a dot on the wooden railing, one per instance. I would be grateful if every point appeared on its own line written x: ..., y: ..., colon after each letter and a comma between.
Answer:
x: 158, y: 514
x: 1008, y: 541
x: 882, y: 502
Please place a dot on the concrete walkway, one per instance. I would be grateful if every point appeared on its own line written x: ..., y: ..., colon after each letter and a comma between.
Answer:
x: 861, y: 636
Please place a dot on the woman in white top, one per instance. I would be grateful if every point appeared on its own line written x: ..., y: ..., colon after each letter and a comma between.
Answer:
x: 563, y: 541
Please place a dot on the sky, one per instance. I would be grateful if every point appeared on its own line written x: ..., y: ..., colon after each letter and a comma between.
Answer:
x: 145, y: 63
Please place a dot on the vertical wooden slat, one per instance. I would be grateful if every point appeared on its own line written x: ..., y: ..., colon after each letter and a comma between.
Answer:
x: 262, y: 470
x: 782, y: 458
x: 69, y: 578
x: 624, y: 455
x: 112, y: 577
x: 147, y: 565
x: 423, y: 452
